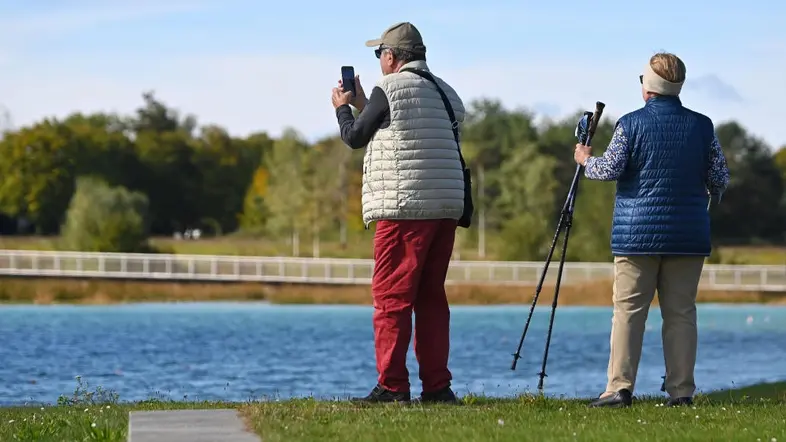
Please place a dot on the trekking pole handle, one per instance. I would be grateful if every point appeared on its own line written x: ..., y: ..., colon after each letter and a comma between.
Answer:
x: 599, y: 106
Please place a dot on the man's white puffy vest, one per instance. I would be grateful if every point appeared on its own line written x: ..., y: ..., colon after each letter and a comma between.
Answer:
x: 411, y: 169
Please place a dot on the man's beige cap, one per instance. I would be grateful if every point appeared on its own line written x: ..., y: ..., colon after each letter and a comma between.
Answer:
x: 402, y: 35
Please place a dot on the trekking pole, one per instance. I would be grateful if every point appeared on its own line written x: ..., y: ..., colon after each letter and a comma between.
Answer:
x: 585, y: 130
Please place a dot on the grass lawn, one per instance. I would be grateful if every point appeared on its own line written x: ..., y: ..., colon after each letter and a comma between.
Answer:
x: 747, y: 414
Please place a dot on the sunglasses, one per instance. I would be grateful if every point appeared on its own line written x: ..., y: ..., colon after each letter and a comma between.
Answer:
x: 378, y: 51
x: 641, y: 79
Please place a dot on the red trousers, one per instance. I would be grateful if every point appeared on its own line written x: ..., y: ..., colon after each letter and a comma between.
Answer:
x: 410, y: 266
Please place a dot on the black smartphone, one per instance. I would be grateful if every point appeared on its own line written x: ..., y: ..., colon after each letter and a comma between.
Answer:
x: 348, y: 79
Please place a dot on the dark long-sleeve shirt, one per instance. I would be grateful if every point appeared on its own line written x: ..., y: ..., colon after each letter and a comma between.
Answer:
x: 356, y: 133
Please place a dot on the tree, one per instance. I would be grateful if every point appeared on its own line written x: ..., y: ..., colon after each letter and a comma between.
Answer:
x: 489, y: 136
x: 755, y: 189
x: 526, y: 204
x: 37, y: 165
x: 328, y: 173
x: 780, y: 161
x: 225, y: 167
x: 102, y: 148
x: 590, y: 234
x: 102, y: 218
x: 287, y: 199
x: 171, y: 180
x: 255, y: 211
x: 201, y: 176
x: 594, y: 206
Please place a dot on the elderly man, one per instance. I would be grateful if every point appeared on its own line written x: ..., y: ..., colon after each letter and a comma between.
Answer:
x: 667, y: 161
x: 413, y: 188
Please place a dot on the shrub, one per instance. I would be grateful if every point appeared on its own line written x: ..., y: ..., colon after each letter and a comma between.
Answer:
x: 101, y: 218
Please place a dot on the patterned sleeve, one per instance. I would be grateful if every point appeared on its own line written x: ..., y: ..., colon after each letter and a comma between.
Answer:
x: 718, y: 173
x: 611, y: 165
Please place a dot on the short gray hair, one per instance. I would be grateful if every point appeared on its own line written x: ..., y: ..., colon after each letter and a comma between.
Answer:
x: 405, y: 55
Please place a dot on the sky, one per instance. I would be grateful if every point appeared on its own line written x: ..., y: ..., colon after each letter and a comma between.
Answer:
x: 267, y: 65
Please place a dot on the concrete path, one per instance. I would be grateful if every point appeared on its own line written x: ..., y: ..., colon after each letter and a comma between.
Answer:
x: 188, y: 426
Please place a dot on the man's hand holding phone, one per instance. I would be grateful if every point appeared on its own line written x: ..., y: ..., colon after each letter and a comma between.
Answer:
x: 359, y: 100
x: 340, y: 97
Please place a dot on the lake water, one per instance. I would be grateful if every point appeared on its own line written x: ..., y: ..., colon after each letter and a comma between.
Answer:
x: 235, y: 351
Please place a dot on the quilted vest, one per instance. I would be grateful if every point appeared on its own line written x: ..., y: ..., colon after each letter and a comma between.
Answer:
x: 411, y: 169
x: 661, y: 204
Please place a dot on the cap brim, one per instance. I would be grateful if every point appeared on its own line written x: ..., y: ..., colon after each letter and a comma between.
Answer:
x: 374, y: 43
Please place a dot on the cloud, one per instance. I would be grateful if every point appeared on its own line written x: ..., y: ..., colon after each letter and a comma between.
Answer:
x: 243, y: 93
x: 257, y: 92
x: 85, y: 14
x: 712, y: 87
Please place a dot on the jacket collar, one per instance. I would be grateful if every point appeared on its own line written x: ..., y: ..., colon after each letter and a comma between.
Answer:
x: 417, y: 64
x: 663, y: 101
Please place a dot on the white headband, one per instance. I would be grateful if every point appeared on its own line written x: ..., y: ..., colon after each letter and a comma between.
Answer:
x: 653, y: 82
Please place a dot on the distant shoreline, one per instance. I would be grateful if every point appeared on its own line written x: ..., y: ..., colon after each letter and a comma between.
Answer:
x: 48, y: 291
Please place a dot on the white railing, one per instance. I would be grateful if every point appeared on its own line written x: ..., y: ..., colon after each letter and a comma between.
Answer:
x: 340, y: 271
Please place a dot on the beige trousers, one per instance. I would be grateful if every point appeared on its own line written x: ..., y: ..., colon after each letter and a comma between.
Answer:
x: 636, y: 278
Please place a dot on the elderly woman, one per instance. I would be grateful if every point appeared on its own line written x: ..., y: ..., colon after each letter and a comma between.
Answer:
x: 666, y: 160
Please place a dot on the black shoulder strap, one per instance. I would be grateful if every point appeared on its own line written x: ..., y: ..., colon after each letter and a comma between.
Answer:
x: 448, y: 107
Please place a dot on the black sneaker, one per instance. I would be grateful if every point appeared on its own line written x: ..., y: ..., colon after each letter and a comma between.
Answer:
x: 444, y: 396
x: 620, y: 399
x: 679, y: 402
x: 381, y: 394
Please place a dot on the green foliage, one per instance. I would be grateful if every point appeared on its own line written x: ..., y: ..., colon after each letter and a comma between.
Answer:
x: 780, y: 161
x: 591, y: 230
x: 715, y: 256
x: 286, y: 188
x: 755, y: 192
x: 83, y: 395
x: 525, y: 204
x: 37, y: 166
x: 287, y: 196
x: 255, y: 211
x: 101, y: 218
